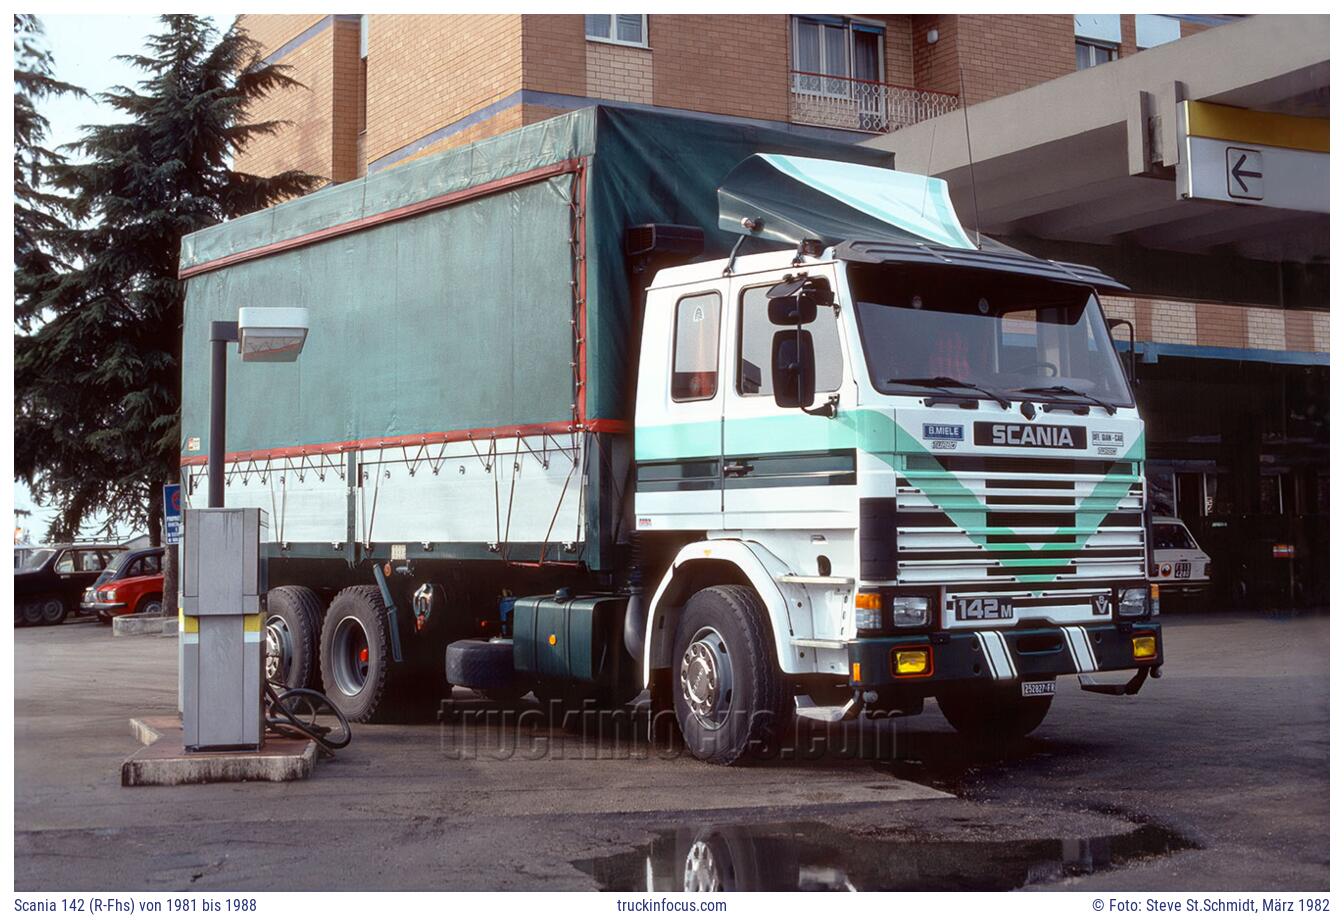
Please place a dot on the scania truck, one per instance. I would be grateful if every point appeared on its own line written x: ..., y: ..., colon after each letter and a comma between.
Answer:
x: 624, y: 401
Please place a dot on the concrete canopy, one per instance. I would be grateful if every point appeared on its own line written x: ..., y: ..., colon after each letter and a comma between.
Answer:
x: 1091, y: 157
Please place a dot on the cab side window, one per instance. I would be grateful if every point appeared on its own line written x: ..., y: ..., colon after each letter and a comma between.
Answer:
x: 150, y: 565
x: 755, y: 336
x: 695, y: 347
x: 66, y: 564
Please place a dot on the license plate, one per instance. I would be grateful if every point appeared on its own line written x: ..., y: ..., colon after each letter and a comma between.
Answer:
x: 978, y: 609
x: 1038, y: 688
x: 1182, y: 570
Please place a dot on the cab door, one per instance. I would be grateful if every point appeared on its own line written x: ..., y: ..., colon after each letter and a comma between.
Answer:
x: 679, y: 410
x: 784, y: 468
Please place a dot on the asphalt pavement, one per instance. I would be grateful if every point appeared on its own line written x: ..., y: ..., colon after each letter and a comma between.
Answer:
x: 1214, y: 778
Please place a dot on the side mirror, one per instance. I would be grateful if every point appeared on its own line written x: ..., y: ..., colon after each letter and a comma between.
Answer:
x: 1133, y: 367
x: 793, y: 369
x: 794, y: 302
x: 798, y: 310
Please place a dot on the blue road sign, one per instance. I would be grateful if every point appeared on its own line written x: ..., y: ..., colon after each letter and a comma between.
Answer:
x: 172, y: 514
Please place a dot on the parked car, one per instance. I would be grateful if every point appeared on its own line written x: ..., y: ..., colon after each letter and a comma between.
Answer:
x: 51, y: 586
x: 131, y: 583
x: 1178, y: 564
x: 22, y: 553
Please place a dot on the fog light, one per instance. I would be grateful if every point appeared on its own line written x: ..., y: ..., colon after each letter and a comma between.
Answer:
x: 912, y: 662
x: 1145, y: 647
x: 1133, y: 602
x: 909, y: 611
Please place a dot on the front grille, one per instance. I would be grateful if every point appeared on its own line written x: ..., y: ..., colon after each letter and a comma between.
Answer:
x: 961, y: 520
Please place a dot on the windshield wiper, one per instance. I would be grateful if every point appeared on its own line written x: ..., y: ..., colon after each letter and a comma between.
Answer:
x: 1060, y: 390
x: 943, y: 383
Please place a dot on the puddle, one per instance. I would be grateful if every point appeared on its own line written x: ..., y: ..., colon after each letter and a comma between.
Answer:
x: 815, y: 857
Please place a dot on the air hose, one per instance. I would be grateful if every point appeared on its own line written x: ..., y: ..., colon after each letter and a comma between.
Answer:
x: 295, y: 713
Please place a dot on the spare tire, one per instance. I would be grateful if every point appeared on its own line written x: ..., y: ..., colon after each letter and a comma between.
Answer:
x: 480, y: 665
x: 293, y: 624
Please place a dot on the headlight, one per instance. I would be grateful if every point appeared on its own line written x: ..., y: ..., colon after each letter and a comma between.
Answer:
x: 1133, y: 602
x: 110, y: 595
x: 909, y: 611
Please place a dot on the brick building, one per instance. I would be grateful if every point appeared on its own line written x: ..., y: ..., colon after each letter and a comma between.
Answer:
x: 382, y: 89
x: 1073, y: 124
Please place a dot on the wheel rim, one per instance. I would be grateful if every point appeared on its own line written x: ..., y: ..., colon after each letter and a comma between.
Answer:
x: 52, y: 611
x: 32, y: 613
x: 279, y: 649
x: 700, y: 873
x: 350, y: 656
x: 707, y: 677
x: 154, y: 607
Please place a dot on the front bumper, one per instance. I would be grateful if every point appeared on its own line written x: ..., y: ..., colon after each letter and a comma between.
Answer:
x: 1037, y: 653
x: 107, y: 609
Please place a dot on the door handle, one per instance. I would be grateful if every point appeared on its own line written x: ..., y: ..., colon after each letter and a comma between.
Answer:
x: 736, y: 468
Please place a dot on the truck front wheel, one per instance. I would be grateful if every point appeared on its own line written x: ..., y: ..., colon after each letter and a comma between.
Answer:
x: 993, y: 714
x: 729, y: 695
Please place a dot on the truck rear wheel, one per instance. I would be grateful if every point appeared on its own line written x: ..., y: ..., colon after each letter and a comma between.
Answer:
x: 357, y: 655
x: 729, y: 695
x: 994, y: 714
x: 293, y: 628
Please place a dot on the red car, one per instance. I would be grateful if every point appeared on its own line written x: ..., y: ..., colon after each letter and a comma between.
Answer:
x: 132, y: 583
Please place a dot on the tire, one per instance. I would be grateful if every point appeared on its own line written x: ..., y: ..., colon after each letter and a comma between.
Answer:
x: 53, y: 611
x: 32, y: 612
x: 150, y: 604
x: 716, y: 859
x: 996, y: 714
x: 480, y: 665
x: 731, y: 699
x: 356, y: 656
x: 293, y: 629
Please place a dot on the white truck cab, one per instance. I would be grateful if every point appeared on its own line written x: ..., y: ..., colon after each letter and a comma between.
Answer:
x: 928, y: 470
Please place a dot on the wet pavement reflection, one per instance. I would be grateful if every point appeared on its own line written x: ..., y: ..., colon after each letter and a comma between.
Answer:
x: 815, y: 857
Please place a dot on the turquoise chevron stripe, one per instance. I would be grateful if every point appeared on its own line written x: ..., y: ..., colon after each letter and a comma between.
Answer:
x: 966, y: 510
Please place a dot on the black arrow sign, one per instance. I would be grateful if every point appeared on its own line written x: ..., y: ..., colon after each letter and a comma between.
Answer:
x: 1238, y: 172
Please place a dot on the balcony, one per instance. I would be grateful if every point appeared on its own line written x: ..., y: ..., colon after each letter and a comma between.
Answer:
x: 862, y: 105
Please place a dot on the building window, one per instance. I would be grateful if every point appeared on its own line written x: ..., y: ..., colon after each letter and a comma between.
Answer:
x: 1096, y: 38
x: 846, y: 49
x: 695, y: 348
x: 1090, y: 54
x: 1151, y: 30
x: 619, y: 29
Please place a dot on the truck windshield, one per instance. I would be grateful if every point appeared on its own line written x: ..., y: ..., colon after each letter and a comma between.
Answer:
x: 1024, y: 337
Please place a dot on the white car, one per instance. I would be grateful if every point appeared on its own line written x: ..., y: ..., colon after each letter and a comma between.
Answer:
x: 1178, y: 564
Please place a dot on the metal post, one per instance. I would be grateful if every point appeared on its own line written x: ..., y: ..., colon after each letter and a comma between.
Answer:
x: 221, y: 334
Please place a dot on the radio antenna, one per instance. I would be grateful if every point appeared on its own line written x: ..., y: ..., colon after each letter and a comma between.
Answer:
x: 933, y: 133
x: 970, y: 158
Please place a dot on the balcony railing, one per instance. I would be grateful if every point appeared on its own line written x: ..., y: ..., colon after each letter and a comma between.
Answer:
x: 862, y: 105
